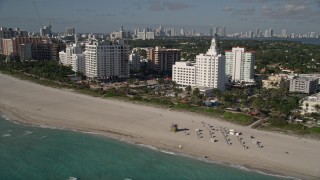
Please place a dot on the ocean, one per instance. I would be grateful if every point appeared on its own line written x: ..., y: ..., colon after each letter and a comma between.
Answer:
x: 29, y: 152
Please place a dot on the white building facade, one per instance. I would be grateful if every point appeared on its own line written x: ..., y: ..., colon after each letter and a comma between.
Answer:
x: 207, y: 72
x: 107, y: 60
x: 210, y: 68
x: 78, y: 63
x: 304, y: 85
x: 184, y: 74
x: 66, y: 56
x: 240, y: 65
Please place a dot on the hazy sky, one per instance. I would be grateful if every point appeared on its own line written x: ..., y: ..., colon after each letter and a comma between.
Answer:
x: 298, y: 16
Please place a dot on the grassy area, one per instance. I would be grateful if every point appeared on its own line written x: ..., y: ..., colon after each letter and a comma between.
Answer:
x: 239, y: 118
x: 314, y: 130
x: 294, y: 129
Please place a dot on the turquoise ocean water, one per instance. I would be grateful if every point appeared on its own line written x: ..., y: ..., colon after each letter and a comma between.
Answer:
x: 28, y: 152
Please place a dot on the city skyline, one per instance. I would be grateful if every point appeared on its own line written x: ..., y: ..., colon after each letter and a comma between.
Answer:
x: 106, y: 16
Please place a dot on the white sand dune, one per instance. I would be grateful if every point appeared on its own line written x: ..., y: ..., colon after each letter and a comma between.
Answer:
x: 44, y: 106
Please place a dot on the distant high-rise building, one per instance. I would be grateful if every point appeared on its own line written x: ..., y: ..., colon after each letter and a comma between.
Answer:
x: 46, y: 31
x: 164, y: 59
x: 182, y: 32
x: 271, y: 32
x: 258, y: 32
x: 250, y: 34
x: 284, y: 33
x: 312, y: 34
x: 141, y: 35
x: 215, y: 30
x: 223, y: 31
x: 106, y: 60
x: 149, y: 35
x: 240, y: 65
x: 70, y: 31
x: 172, y: 32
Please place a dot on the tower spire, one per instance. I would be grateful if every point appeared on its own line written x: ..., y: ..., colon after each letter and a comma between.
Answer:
x: 214, y: 46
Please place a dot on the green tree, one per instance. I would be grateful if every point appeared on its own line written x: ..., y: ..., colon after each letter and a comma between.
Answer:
x: 188, y: 89
x: 142, y: 52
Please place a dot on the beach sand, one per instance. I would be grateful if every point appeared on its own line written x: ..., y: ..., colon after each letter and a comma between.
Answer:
x: 34, y: 104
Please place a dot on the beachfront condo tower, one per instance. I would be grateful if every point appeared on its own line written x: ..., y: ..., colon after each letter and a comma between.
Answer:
x: 240, y: 65
x: 106, y: 60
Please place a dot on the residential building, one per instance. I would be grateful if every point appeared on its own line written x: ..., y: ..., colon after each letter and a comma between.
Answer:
x: 164, y: 59
x: 25, y: 52
x: 276, y: 81
x: 317, y: 76
x: 4, y: 34
x: 66, y: 56
x: 106, y: 60
x: 12, y: 46
x: 78, y: 62
x: 304, y: 85
x: 46, y: 31
x: 35, y: 52
x: 41, y: 51
x: 134, y: 59
x: 55, y: 49
x: 70, y: 31
x: 141, y: 35
x: 310, y: 104
x: 184, y: 73
x: 240, y: 65
x: 149, y: 35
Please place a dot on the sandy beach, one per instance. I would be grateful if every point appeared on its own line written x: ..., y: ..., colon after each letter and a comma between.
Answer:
x: 44, y: 106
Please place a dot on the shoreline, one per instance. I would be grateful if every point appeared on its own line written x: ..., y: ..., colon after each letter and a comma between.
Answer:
x: 38, y: 105
x: 246, y: 168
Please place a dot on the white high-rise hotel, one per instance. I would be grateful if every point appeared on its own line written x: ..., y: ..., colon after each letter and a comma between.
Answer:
x: 240, y: 65
x: 208, y: 71
x: 74, y: 57
x: 106, y: 60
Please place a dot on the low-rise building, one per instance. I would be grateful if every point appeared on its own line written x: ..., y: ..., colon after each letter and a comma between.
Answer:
x: 304, y: 85
x: 311, y: 76
x: 310, y: 104
x: 275, y: 81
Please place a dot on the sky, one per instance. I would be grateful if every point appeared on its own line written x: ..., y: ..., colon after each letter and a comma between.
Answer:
x: 101, y: 16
